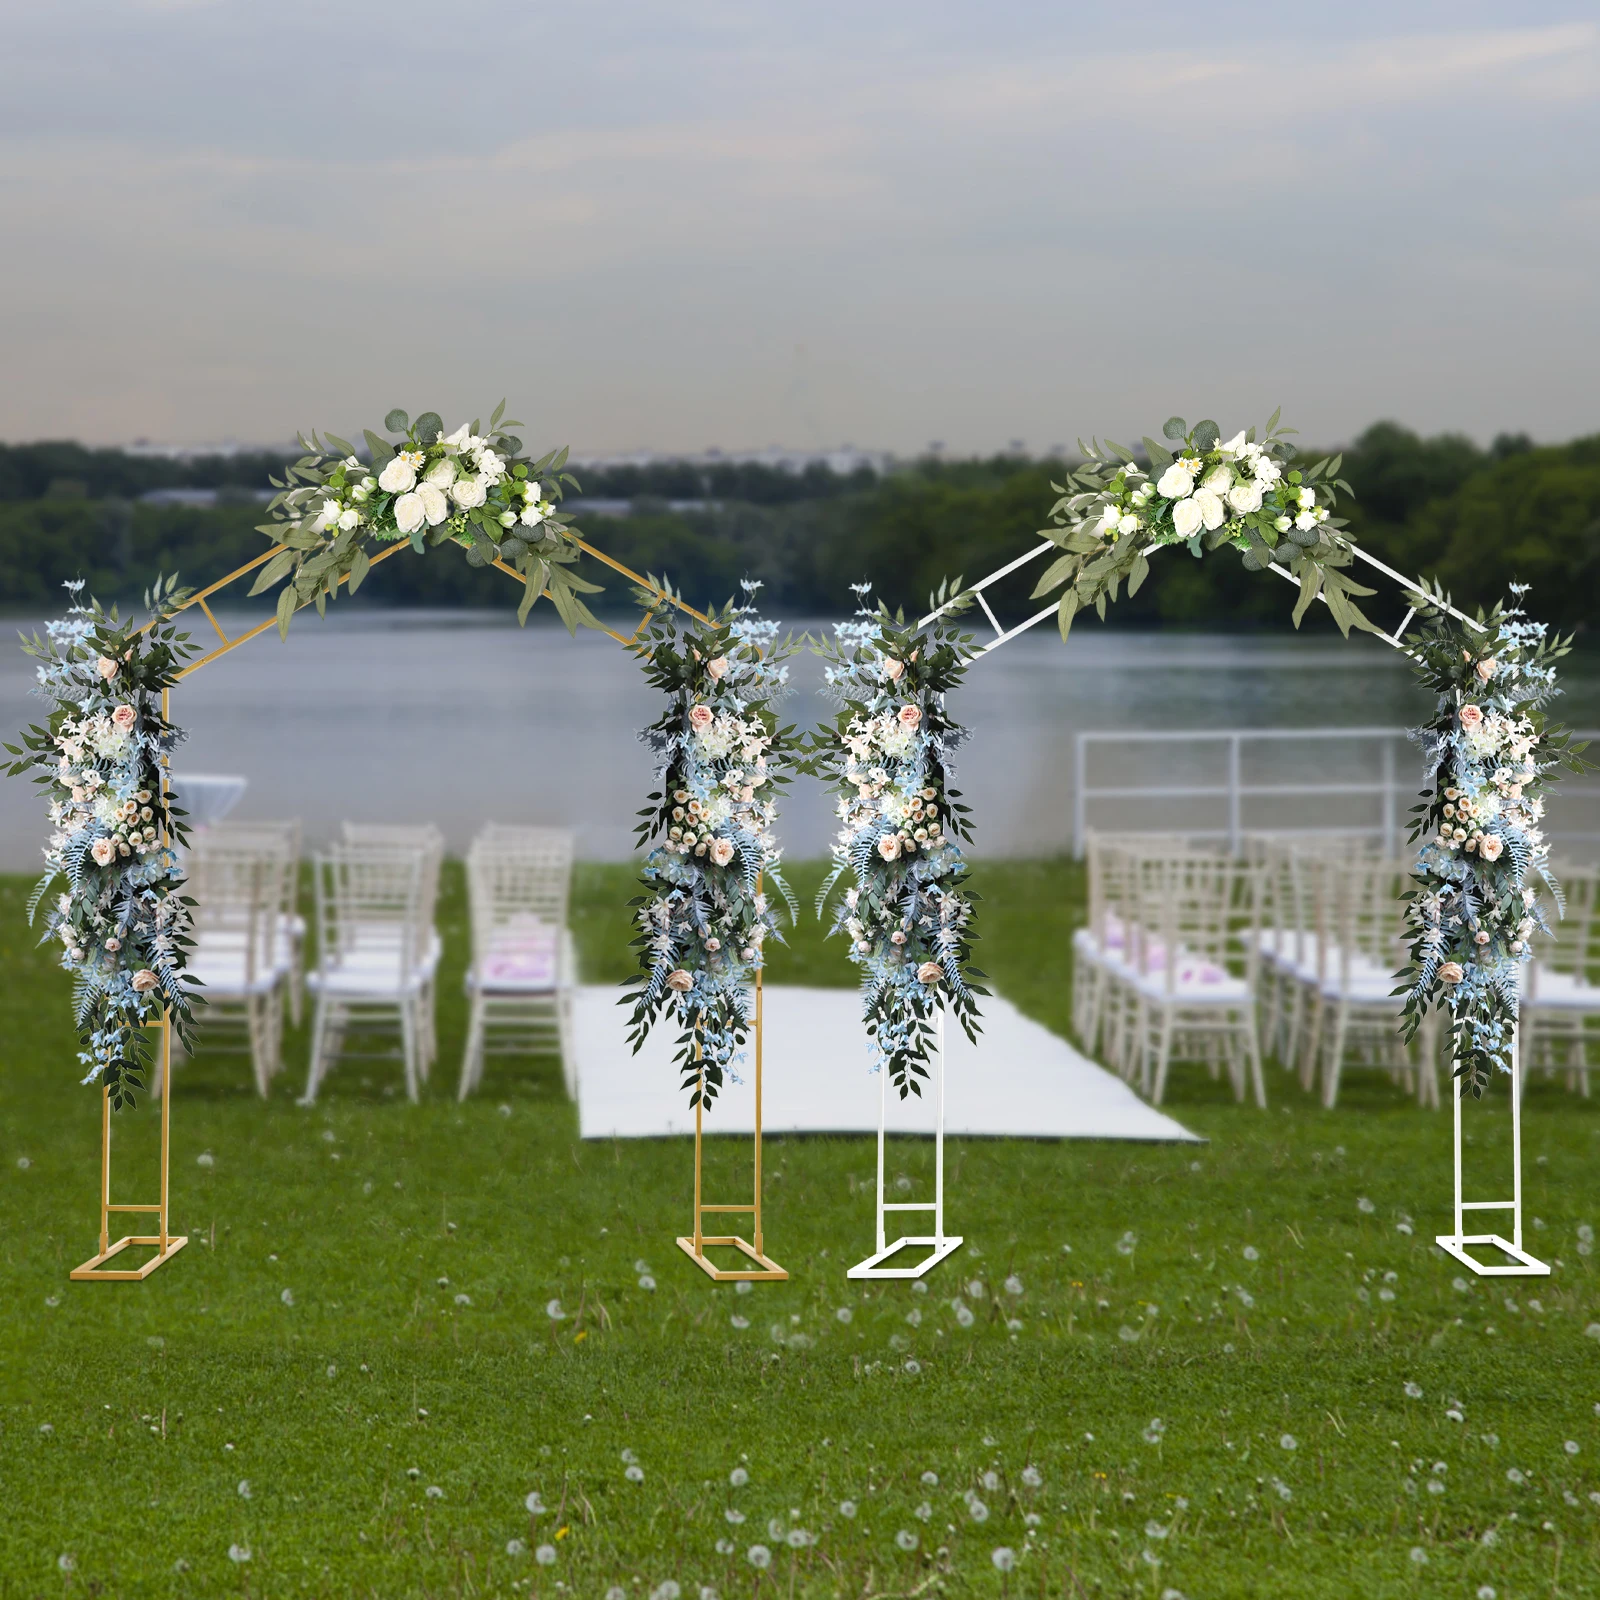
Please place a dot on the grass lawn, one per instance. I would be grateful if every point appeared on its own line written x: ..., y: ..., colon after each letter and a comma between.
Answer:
x: 1238, y: 1369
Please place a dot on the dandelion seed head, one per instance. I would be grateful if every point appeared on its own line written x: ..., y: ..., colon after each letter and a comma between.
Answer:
x: 516, y: 1547
x: 847, y: 1509
x: 906, y: 1539
x: 238, y: 1553
x: 759, y: 1557
x: 1250, y: 1253
x: 844, y: 1314
x: 434, y: 1492
x: 545, y: 1555
x: 1413, y: 1390
x: 633, y: 1473
x: 931, y: 1479
x: 1004, y: 1559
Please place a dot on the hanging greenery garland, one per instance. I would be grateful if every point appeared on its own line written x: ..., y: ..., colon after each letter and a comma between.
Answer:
x: 119, y: 918
x: 1489, y: 756
x: 722, y: 760
x: 907, y: 915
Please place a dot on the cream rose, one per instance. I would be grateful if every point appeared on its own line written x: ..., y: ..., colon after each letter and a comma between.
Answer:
x: 106, y: 667
x: 469, y: 493
x: 1452, y: 972
x: 1209, y: 503
x: 104, y: 852
x: 408, y: 513
x: 701, y: 718
x: 717, y: 666
x: 123, y: 718
x: 1489, y: 847
x: 399, y: 476
x: 893, y: 668
x: 722, y: 851
x: 889, y: 846
x: 929, y: 972
x: 910, y: 716
x: 1245, y: 497
x: 1186, y: 517
x: 1176, y: 482
x: 680, y: 981
x: 1471, y: 716
x: 434, y: 505
x: 1485, y: 668
x: 145, y: 980
x: 1219, y: 480
x: 442, y: 474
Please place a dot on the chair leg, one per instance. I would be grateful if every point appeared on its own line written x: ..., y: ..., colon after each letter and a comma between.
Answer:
x: 260, y: 1044
x: 1310, y: 1042
x: 472, y: 1056
x: 1252, y: 1046
x: 409, y: 1030
x: 1334, y: 1061
x: 1157, y: 1089
x: 319, y: 1036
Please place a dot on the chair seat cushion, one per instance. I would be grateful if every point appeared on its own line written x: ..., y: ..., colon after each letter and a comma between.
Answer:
x: 1198, y: 982
x: 219, y: 978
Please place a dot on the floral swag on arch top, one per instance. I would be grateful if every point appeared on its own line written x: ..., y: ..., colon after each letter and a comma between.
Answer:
x: 721, y: 759
x: 1490, y: 754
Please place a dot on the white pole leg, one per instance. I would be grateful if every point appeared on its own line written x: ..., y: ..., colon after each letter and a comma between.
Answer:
x: 1521, y: 1265
x: 938, y: 1242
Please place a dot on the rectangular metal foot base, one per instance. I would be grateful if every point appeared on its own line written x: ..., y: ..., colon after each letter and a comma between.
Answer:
x: 765, y: 1271
x: 1523, y: 1265
x: 92, y: 1271
x: 873, y: 1266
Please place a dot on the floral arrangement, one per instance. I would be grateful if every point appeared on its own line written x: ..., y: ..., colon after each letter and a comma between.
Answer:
x: 888, y: 755
x: 721, y: 760
x: 1203, y: 493
x: 120, y: 921
x: 1489, y: 755
x: 472, y: 487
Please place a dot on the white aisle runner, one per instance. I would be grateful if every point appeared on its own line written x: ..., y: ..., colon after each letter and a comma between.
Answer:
x: 1019, y: 1080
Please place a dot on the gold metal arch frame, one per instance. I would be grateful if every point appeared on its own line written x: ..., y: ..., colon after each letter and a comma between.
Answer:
x: 168, y: 1244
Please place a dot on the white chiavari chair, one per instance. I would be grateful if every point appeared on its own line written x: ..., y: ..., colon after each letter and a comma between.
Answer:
x: 1561, y: 986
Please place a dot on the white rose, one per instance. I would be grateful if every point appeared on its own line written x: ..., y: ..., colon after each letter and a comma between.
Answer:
x: 434, y: 505
x: 326, y: 517
x: 1109, y: 517
x: 533, y: 489
x: 1186, y: 517
x: 1212, y: 511
x: 442, y: 474
x: 469, y: 492
x: 1236, y: 445
x: 1308, y: 498
x: 1306, y: 521
x: 1176, y: 482
x: 1127, y: 524
x: 1218, y: 479
x: 398, y: 477
x: 454, y: 441
x: 1282, y: 524
x: 348, y: 518
x: 1245, y: 497
x: 408, y: 513
x: 532, y: 516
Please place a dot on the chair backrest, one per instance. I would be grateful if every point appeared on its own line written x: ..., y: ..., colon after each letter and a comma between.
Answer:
x: 372, y: 908
x: 278, y: 841
x: 237, y: 894
x: 1575, y: 949
x: 518, y: 883
x: 423, y: 838
x: 1187, y: 914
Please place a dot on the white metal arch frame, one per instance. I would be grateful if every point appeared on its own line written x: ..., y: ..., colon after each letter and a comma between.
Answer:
x: 941, y: 1244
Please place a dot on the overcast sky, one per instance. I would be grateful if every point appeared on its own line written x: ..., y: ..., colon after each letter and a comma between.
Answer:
x: 731, y: 223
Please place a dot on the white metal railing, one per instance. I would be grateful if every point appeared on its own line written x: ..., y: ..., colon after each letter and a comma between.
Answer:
x: 1392, y: 790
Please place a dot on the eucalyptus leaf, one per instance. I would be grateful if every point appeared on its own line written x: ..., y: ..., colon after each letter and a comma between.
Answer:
x: 1176, y: 428
x: 397, y: 421
x: 428, y: 427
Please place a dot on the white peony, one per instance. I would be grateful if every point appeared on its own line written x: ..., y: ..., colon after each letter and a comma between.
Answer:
x: 1177, y: 481
x: 434, y: 505
x: 1212, y: 511
x: 469, y: 492
x: 1219, y: 479
x: 442, y: 474
x: 1186, y: 517
x: 1236, y: 446
x: 408, y: 512
x: 1245, y: 497
x: 398, y: 477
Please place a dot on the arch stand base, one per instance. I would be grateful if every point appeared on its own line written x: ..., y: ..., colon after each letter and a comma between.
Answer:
x: 1521, y: 1265
x: 940, y: 1243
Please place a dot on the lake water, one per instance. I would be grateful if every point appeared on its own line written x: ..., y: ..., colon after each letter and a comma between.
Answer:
x: 461, y: 718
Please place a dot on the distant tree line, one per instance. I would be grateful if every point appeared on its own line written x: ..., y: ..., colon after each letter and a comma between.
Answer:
x: 1476, y: 518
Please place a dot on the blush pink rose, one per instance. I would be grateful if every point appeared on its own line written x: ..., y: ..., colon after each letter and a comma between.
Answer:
x: 889, y: 846
x: 103, y: 851
x: 145, y: 980
x: 717, y: 666
x: 106, y: 667
x: 892, y: 669
x: 1489, y: 848
x: 910, y: 716
x: 1452, y: 972
x: 1486, y: 668
x: 722, y: 851
x: 701, y: 718
x: 1471, y: 716
x: 123, y: 718
x: 929, y: 972
x: 680, y: 981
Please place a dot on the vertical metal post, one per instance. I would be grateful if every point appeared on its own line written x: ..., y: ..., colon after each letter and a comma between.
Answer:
x: 699, y: 1117
x: 1080, y: 801
x: 1455, y: 1096
x: 1387, y: 747
x: 1516, y: 1136
x: 166, y: 1118
x: 105, y: 1169
x: 758, y: 1243
x: 883, y: 1111
x: 938, y: 1137
x: 1234, y: 807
